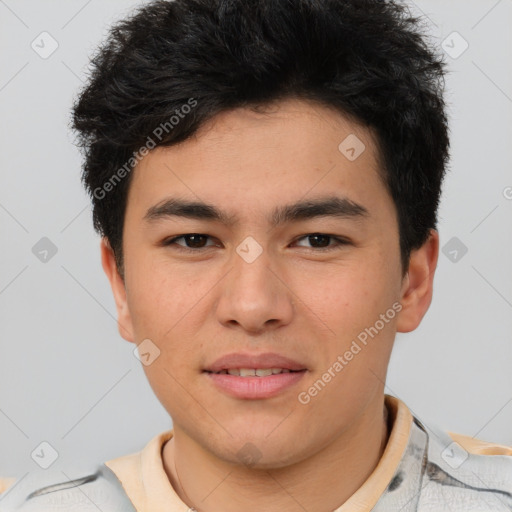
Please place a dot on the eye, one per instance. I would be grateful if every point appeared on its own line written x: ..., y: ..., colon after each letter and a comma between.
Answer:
x: 193, y: 242
x: 322, y: 241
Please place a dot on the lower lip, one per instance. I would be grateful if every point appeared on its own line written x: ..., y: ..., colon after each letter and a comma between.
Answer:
x: 255, y: 387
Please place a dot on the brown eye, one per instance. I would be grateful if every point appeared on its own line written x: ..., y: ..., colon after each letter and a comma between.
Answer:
x: 322, y: 241
x: 191, y: 241
x: 195, y: 241
x: 319, y: 240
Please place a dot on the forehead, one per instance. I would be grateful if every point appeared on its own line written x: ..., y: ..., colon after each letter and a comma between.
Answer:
x: 247, y: 158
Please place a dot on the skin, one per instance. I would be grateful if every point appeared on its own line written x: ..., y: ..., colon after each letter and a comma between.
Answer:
x: 294, y: 299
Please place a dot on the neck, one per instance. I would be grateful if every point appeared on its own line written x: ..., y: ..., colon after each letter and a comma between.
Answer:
x: 322, y: 482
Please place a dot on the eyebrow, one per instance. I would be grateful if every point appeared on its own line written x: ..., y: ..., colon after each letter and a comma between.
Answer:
x: 333, y: 206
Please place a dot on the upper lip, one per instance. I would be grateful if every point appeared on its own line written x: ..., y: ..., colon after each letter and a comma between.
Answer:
x: 256, y: 361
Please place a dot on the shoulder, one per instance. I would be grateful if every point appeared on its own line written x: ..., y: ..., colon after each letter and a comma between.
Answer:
x: 464, y: 473
x: 53, y: 490
x: 479, y: 447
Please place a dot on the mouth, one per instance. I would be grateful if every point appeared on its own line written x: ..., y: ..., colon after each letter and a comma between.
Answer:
x: 254, y: 372
x: 254, y: 376
x: 255, y: 383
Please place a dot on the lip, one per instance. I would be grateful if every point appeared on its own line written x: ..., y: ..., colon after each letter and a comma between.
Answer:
x: 254, y: 388
x: 263, y: 361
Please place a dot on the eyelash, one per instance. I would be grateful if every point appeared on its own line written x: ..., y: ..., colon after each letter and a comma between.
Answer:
x: 338, y: 242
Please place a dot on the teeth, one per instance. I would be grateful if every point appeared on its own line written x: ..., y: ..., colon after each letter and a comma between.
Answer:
x: 254, y: 372
x: 264, y: 373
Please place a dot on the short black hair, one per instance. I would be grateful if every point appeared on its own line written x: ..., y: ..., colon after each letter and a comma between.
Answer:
x: 172, y: 65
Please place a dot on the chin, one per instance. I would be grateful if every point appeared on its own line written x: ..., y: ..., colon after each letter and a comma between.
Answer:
x: 258, y: 453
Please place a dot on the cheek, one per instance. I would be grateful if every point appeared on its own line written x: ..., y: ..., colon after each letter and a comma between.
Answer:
x: 161, y: 296
x: 348, y: 298
x: 338, y: 293
x: 153, y: 300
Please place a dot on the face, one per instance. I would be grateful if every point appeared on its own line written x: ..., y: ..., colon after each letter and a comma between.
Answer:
x: 294, y: 254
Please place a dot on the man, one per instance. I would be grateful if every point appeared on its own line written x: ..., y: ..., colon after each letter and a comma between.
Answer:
x: 265, y: 176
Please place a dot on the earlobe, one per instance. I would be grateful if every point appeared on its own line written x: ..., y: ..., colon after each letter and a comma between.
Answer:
x: 417, y: 287
x: 108, y: 262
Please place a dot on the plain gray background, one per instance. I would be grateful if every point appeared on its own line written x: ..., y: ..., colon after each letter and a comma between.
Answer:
x: 66, y: 376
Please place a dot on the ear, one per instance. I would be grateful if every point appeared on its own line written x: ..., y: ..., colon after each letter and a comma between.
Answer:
x: 108, y: 261
x: 417, y: 286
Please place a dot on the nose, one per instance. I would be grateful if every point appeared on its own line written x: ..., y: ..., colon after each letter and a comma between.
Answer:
x: 254, y: 297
